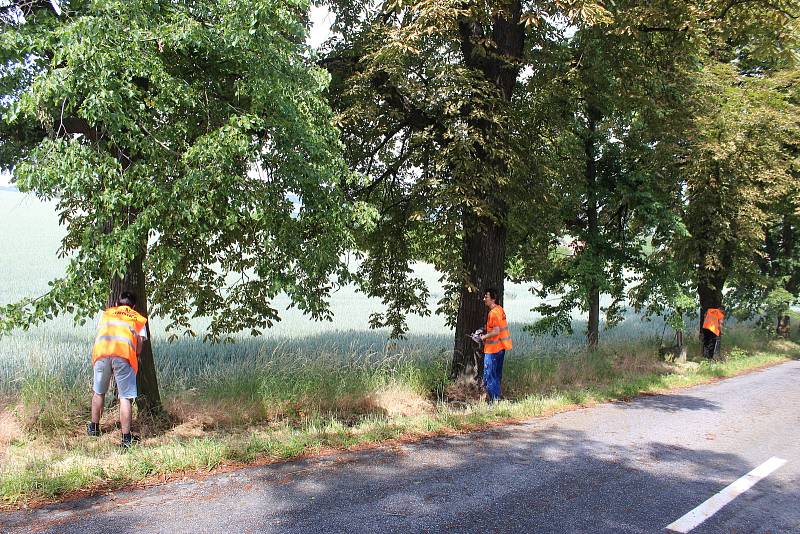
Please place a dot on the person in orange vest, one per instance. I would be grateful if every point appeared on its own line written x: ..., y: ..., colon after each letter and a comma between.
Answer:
x: 496, y: 341
x: 120, y: 333
x: 712, y: 330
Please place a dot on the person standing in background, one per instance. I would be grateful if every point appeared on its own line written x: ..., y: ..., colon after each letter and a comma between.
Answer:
x: 712, y: 330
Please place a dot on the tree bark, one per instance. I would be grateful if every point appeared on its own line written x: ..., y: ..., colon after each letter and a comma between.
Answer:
x: 711, y: 280
x: 710, y: 293
x: 592, y: 229
x: 787, y: 247
x: 483, y: 254
x: 484, y: 239
x: 769, y: 264
x: 149, y: 399
x: 593, y: 326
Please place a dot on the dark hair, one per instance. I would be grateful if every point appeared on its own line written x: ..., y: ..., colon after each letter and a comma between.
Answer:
x: 127, y: 298
x: 492, y: 293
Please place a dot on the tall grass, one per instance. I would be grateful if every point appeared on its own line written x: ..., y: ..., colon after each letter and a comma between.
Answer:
x: 30, y: 237
x: 299, y: 366
x: 39, y: 467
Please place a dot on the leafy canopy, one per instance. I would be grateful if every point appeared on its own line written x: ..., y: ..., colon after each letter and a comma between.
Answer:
x: 192, y: 133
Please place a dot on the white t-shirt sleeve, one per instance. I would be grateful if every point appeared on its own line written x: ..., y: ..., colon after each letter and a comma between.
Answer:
x: 143, y: 332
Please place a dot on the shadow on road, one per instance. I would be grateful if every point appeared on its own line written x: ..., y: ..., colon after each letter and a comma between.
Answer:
x: 670, y: 403
x: 508, y: 479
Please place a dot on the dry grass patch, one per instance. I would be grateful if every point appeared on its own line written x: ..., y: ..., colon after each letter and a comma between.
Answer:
x: 784, y: 345
x: 10, y: 429
x: 195, y: 427
x: 190, y: 413
x: 686, y: 367
x: 633, y: 363
x: 463, y: 389
x: 397, y: 400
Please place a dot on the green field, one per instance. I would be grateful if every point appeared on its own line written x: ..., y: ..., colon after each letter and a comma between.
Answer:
x: 30, y: 235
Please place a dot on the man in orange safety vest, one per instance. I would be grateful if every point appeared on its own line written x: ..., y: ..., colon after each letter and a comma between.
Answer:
x: 120, y: 334
x: 496, y: 341
x: 712, y: 330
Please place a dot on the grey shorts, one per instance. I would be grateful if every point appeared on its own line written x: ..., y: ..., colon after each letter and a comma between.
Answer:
x: 123, y: 374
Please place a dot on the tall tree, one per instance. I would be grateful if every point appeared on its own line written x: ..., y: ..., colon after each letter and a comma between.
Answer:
x: 734, y: 163
x: 611, y: 102
x: 729, y: 158
x: 191, y: 154
x: 425, y: 93
x: 733, y: 173
x: 772, y: 282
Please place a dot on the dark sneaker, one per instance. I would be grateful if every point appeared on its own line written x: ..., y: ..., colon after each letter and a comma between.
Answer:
x: 93, y: 430
x: 129, y: 440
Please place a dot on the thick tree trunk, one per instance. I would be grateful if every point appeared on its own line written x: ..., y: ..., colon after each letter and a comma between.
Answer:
x: 149, y: 399
x: 593, y: 326
x: 711, y: 250
x: 592, y: 229
x: 768, y: 264
x: 484, y: 239
x: 787, y: 248
x: 483, y: 254
x: 710, y: 293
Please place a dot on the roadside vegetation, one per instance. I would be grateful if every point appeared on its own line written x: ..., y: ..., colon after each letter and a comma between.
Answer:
x: 268, y: 408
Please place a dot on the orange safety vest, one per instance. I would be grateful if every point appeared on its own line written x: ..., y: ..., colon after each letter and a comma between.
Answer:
x: 117, y: 335
x: 713, y: 320
x: 502, y: 341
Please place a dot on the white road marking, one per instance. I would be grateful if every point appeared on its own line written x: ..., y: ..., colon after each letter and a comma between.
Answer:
x: 715, y: 503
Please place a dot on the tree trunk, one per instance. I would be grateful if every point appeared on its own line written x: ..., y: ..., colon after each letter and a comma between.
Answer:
x: 711, y: 281
x: 592, y: 229
x: 593, y: 326
x: 484, y: 239
x: 149, y: 399
x: 710, y: 293
x: 768, y: 263
x: 483, y: 254
x: 787, y: 247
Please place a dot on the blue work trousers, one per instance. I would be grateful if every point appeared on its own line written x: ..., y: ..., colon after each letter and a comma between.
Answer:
x: 493, y: 373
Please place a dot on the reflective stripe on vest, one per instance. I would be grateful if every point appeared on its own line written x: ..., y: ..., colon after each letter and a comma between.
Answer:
x: 121, y: 339
x: 497, y: 339
x: 116, y: 323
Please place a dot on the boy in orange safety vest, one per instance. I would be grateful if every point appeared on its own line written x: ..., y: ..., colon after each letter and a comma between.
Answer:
x: 120, y: 333
x: 496, y: 341
x: 712, y: 330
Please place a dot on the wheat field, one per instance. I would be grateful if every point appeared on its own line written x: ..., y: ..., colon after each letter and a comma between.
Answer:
x: 30, y: 238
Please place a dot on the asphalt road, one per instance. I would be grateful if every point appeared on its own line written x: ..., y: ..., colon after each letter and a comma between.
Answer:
x: 622, y: 467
